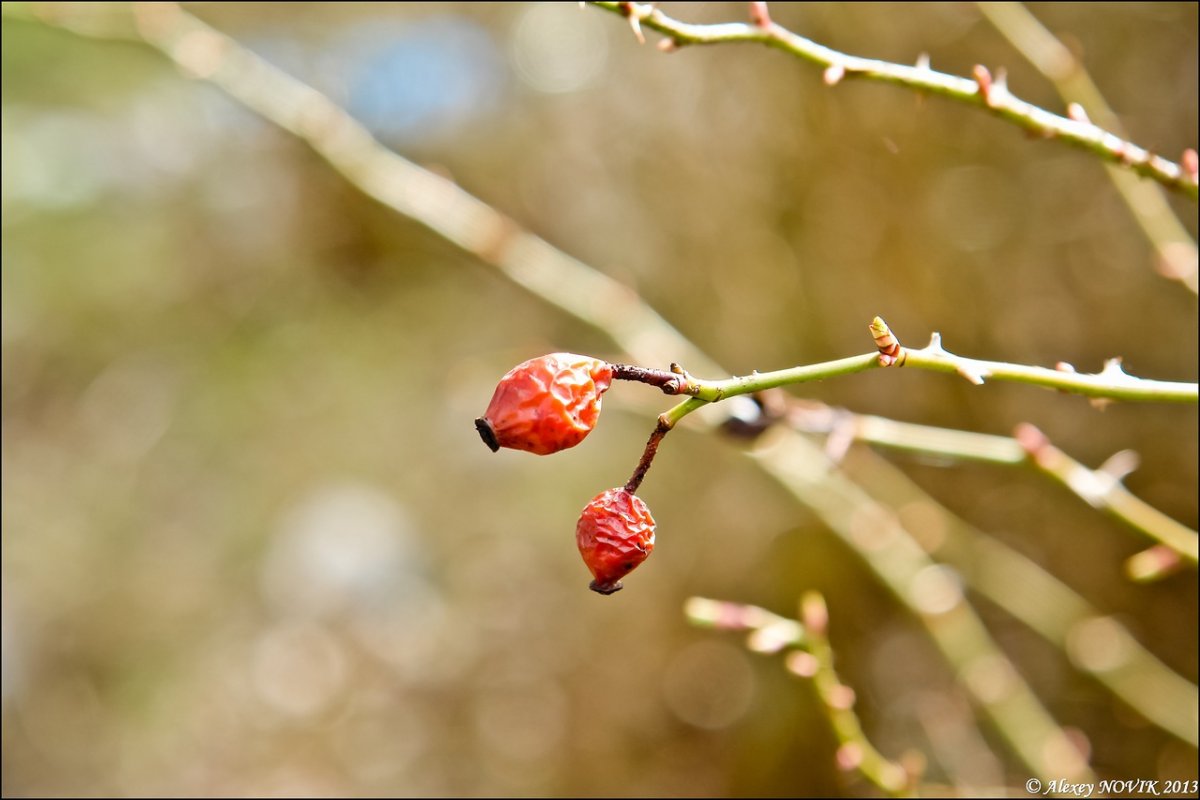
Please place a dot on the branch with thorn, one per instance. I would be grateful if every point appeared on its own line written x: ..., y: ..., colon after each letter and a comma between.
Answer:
x: 810, y: 656
x: 985, y: 91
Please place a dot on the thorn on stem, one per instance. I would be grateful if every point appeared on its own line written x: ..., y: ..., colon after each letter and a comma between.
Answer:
x: 993, y: 89
x: 635, y: 23
x: 841, y: 697
x: 1113, y: 370
x: 923, y: 61
x: 759, y: 15
x: 1120, y: 464
x: 983, y: 78
x: 667, y: 45
x: 803, y: 664
x: 849, y: 756
x: 834, y: 74
x: 1077, y: 113
x: 1152, y: 564
x: 972, y: 375
x: 1191, y: 165
x: 1122, y: 152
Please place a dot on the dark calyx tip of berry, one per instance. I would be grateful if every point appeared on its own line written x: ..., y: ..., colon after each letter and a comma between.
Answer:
x: 487, y: 434
x: 605, y: 588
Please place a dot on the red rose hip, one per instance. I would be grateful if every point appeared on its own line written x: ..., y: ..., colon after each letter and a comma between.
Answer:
x: 546, y: 404
x: 615, y: 533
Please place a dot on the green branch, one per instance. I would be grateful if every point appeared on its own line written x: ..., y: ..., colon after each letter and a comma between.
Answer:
x: 986, y: 92
x: 811, y: 657
x: 1112, y: 383
x: 1100, y: 488
x: 1147, y: 203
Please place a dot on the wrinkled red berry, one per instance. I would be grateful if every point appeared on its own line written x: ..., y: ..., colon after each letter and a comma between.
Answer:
x: 615, y: 533
x: 546, y: 404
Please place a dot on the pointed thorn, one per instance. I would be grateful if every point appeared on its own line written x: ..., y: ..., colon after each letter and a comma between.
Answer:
x: 759, y: 15
x: 1191, y: 164
x: 1152, y: 564
x: 1113, y: 369
x: 834, y: 74
x: 636, y: 25
x: 923, y: 61
x: 1120, y: 464
x: 973, y: 376
x: 667, y: 45
x: 1077, y: 113
x: 983, y: 78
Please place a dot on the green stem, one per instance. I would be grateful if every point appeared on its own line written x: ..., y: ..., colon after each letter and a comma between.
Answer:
x: 811, y: 656
x: 712, y: 391
x: 1098, y: 488
x: 1149, y: 206
x: 1112, y: 383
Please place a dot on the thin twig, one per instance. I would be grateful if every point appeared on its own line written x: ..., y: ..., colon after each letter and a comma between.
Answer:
x: 1113, y: 383
x: 1146, y: 201
x: 1100, y: 488
x: 931, y: 592
x: 986, y: 92
x: 811, y: 657
x: 1097, y: 644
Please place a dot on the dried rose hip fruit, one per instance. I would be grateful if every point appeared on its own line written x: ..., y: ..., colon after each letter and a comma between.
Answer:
x: 546, y: 404
x: 615, y: 533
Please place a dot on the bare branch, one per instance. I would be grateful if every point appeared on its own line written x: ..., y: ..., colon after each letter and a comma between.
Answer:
x: 1175, y: 248
x: 986, y: 92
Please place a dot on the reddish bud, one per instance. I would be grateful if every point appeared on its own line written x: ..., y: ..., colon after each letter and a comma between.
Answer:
x: 546, y: 404
x: 615, y: 533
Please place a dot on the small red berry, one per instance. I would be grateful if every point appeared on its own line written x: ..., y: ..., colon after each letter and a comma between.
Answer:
x: 546, y: 404
x: 615, y: 533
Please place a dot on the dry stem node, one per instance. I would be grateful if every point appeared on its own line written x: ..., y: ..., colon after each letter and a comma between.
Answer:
x: 670, y: 382
x: 660, y: 430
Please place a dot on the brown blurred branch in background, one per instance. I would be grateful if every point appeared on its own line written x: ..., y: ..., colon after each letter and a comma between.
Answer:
x: 986, y: 91
x: 811, y: 657
x: 1100, y: 488
x: 1175, y: 248
x: 1096, y: 643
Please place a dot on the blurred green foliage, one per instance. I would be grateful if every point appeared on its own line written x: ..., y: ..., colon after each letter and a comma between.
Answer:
x: 251, y: 542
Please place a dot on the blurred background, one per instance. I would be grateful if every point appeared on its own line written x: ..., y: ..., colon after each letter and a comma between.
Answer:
x: 252, y: 543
